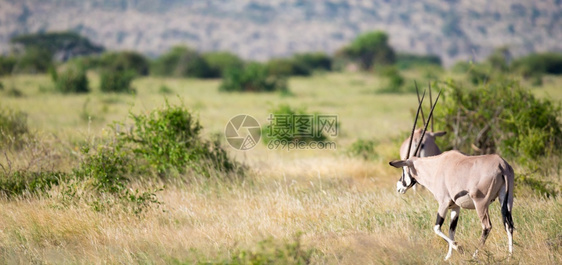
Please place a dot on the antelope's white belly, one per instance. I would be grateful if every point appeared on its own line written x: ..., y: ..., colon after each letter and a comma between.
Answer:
x: 465, y: 202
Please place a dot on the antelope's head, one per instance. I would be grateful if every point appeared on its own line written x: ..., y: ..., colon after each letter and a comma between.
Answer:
x: 408, y: 177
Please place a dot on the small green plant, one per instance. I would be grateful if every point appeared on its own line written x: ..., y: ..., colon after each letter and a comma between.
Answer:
x: 71, y: 80
x: 271, y: 252
x: 117, y: 81
x: 164, y: 89
x: 364, y: 149
x: 254, y: 77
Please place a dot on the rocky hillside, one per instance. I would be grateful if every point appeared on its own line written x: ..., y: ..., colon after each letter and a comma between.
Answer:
x: 261, y: 29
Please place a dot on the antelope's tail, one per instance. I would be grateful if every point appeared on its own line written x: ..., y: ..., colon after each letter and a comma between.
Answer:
x: 507, y: 204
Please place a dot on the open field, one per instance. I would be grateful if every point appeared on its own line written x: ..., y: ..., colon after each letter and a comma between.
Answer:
x: 346, y: 209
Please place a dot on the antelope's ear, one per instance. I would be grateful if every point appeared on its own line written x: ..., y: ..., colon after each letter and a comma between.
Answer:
x: 441, y: 133
x: 398, y: 163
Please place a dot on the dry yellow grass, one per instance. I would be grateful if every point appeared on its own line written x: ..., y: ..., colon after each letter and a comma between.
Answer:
x: 346, y: 208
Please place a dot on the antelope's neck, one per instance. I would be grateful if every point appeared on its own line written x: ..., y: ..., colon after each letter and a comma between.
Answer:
x: 425, y: 175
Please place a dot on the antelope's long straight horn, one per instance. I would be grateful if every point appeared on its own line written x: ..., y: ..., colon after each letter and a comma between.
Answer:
x: 430, y: 103
x: 419, y: 101
x: 414, y: 127
x: 428, y: 119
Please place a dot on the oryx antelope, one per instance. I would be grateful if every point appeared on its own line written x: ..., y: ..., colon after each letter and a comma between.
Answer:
x: 428, y: 146
x: 459, y: 181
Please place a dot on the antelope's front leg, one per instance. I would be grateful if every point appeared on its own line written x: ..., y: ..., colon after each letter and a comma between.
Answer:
x: 443, y: 207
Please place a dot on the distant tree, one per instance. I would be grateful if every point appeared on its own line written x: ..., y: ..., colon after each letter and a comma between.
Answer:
x: 500, y: 59
x: 287, y: 67
x: 370, y: 49
x: 7, y: 64
x: 220, y: 62
x: 182, y: 61
x: 61, y: 45
x: 125, y: 61
x: 408, y: 60
x: 314, y: 60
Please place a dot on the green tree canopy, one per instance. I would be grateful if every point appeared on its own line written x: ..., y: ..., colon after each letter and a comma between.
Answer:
x: 370, y: 49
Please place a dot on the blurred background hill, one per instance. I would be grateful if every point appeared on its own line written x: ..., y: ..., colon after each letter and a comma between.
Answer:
x: 260, y: 30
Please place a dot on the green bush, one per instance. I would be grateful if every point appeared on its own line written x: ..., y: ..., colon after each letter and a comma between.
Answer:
x: 254, y: 77
x: 220, y: 62
x: 109, y: 166
x: 394, y: 81
x: 23, y: 182
x: 370, y: 49
x: 116, y: 81
x: 34, y: 60
x: 288, y: 130
x: 314, y: 61
x: 13, y: 128
x: 169, y: 139
x: 125, y: 61
x: 538, y: 64
x: 287, y: 67
x: 499, y: 117
x: 72, y: 80
x: 364, y: 149
x: 408, y: 61
x: 181, y: 61
x: 7, y: 64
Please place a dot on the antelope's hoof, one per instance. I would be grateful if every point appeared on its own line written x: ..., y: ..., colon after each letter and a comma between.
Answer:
x: 460, y: 249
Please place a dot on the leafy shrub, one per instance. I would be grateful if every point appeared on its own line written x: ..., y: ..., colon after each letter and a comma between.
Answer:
x: 34, y: 60
x: 254, y: 77
x: 407, y: 60
x: 125, y: 61
x: 71, y: 80
x: 538, y: 64
x: 181, y: 61
x: 220, y: 62
x: 23, y: 182
x: 499, y: 117
x: 169, y: 139
x: 370, y: 49
x: 364, y: 149
x: 288, y: 129
x: 117, y: 81
x: 108, y: 166
x: 287, y: 67
x: 13, y: 128
x: 314, y: 61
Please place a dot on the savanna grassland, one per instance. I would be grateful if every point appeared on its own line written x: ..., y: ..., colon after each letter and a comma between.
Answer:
x: 322, y: 206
